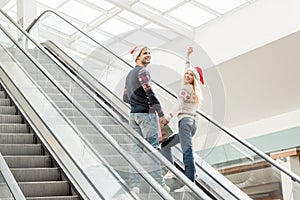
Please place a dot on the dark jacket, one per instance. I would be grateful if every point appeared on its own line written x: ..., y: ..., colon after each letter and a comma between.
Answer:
x: 139, y: 94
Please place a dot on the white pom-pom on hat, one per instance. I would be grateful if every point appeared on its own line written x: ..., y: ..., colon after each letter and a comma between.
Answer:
x: 198, y: 73
x: 136, y: 51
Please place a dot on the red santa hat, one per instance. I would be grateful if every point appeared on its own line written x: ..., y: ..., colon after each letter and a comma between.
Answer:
x: 198, y: 73
x: 136, y: 51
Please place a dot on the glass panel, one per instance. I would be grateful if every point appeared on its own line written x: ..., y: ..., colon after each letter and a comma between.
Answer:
x: 162, y: 6
x: 115, y: 27
x: 98, y: 36
x: 232, y: 159
x: 109, y: 170
x: 72, y: 8
x: 132, y: 17
x: 50, y: 3
x: 243, y: 167
x: 102, y: 4
x: 194, y: 16
x: 5, y: 192
x: 83, y: 124
x: 222, y: 6
x: 103, y: 68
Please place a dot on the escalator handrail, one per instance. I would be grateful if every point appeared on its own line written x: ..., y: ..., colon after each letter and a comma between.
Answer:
x: 111, y: 52
x: 49, y: 45
x: 141, y: 140
x: 109, y: 138
x: 10, y: 180
x: 37, y: 64
x: 60, y: 55
x: 292, y: 175
x: 244, y: 142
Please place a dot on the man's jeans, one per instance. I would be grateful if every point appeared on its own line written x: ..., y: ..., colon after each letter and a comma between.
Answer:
x: 187, y: 129
x: 145, y: 124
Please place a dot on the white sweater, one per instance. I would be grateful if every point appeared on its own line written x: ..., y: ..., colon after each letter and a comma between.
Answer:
x: 186, y: 105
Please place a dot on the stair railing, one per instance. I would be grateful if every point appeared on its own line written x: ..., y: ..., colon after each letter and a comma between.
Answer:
x: 11, y: 182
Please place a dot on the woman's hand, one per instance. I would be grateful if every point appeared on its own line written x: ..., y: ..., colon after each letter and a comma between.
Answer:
x: 189, y: 51
x: 163, y: 120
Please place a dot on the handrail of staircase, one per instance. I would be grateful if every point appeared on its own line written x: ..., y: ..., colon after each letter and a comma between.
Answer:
x: 102, y: 46
x: 10, y: 180
x: 37, y: 64
x: 108, y: 137
x: 69, y: 62
x: 141, y: 140
x: 292, y: 175
x: 72, y: 65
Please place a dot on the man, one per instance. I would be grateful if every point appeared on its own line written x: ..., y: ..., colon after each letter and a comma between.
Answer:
x: 144, y: 110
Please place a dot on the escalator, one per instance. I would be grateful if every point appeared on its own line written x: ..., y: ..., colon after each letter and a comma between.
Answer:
x: 241, y: 163
x: 93, y: 140
x: 9, y: 189
x: 225, y: 191
x: 33, y: 168
x: 218, y: 190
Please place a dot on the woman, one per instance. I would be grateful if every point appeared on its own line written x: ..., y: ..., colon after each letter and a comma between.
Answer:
x: 189, y: 100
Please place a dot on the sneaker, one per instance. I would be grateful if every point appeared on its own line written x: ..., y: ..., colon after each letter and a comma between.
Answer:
x: 183, y: 189
x: 136, y: 190
x: 169, y: 175
x: 167, y: 188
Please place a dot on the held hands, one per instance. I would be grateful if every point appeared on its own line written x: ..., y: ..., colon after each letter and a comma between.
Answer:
x: 163, y: 120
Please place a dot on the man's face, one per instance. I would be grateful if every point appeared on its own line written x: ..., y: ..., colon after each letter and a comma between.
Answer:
x: 144, y: 57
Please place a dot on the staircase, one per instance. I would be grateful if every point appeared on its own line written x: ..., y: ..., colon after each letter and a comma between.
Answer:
x: 33, y: 169
x: 118, y: 165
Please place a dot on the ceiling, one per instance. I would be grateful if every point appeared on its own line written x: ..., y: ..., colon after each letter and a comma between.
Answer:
x: 156, y: 20
x: 162, y: 21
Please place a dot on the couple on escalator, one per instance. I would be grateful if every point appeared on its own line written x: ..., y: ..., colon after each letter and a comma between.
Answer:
x: 145, y: 107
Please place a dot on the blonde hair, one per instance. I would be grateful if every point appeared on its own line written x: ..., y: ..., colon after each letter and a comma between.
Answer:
x: 197, y: 90
x: 198, y: 95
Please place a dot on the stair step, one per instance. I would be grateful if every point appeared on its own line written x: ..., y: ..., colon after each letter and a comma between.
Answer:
x: 5, y: 102
x: 99, y: 139
x: 16, y: 138
x: 2, y: 95
x: 14, y: 128
x: 73, y: 197
x: 21, y: 149
x: 36, y: 174
x: 28, y: 161
x: 8, y: 110
x: 32, y: 170
x: 11, y: 119
x: 108, y: 149
x: 119, y: 164
x: 93, y: 112
x: 85, y: 103
x: 176, y: 195
x: 104, y: 120
x: 112, y: 129
x: 47, y: 188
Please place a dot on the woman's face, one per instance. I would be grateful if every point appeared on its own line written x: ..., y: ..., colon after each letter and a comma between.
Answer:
x: 188, y: 77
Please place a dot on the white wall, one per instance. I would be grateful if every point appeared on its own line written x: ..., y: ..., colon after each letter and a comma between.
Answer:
x: 260, y: 83
x: 245, y: 29
x: 269, y: 125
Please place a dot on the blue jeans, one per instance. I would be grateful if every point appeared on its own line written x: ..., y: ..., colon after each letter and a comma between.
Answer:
x: 187, y: 129
x: 145, y: 124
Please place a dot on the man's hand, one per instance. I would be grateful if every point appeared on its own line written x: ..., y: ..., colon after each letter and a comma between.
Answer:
x: 163, y: 120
